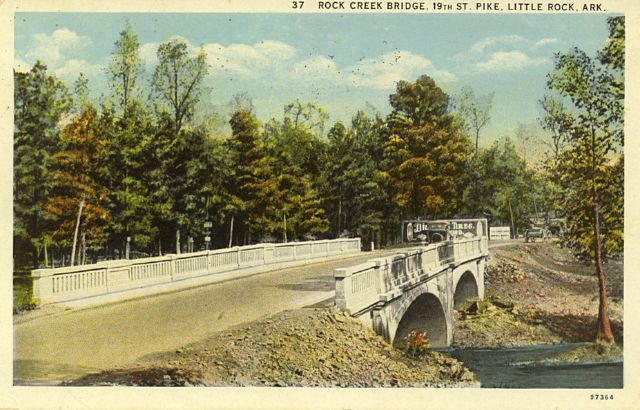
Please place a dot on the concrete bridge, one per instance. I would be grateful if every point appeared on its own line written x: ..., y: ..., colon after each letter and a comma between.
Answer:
x: 415, y: 289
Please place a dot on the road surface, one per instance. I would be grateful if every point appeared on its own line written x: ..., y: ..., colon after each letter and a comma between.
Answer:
x: 69, y: 344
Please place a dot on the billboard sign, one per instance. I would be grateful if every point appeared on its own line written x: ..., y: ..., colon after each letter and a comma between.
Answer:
x: 441, y: 230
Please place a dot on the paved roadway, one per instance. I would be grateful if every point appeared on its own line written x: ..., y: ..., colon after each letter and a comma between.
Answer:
x: 68, y: 344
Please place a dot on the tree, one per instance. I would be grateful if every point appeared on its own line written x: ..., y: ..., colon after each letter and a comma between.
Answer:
x: 81, y: 91
x: 177, y: 80
x: 125, y: 67
x: 506, y: 187
x: 77, y: 170
x: 594, y: 218
x: 557, y: 122
x: 475, y: 111
x: 352, y: 192
x: 256, y: 199
x: 40, y: 102
x: 130, y: 150
x: 425, y: 152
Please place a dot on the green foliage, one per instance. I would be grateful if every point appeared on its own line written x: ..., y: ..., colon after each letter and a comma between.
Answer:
x: 40, y: 102
x: 506, y: 188
x: 474, y: 111
x: 350, y: 182
x: 590, y: 169
x: 177, y: 81
x: 125, y: 67
x: 253, y: 187
x: 588, y: 165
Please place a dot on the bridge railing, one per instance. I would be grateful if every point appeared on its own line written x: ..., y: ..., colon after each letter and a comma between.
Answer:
x: 378, y: 280
x: 77, y: 282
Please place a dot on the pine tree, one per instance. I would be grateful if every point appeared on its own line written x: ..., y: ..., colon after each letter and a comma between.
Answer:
x: 40, y: 102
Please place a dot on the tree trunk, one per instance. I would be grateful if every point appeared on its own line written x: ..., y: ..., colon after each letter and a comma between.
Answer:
x: 604, y: 335
x: 231, y: 231
x: 75, y: 235
x: 513, y: 226
x: 284, y: 227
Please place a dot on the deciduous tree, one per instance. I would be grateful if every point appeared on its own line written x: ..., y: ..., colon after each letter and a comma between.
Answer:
x: 589, y: 165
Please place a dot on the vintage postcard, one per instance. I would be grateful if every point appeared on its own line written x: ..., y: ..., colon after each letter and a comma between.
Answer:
x: 318, y: 204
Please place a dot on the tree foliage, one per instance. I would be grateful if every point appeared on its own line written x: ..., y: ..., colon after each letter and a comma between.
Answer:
x: 40, y: 102
x: 425, y: 152
x: 475, y: 111
x: 125, y: 67
x: 177, y: 80
x: 78, y: 169
x: 590, y: 165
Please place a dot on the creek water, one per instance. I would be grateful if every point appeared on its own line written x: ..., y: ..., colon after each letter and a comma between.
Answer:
x: 513, y: 368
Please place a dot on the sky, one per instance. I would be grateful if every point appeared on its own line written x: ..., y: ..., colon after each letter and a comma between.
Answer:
x: 343, y: 62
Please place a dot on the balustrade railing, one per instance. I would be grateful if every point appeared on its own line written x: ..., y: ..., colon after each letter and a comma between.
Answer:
x: 77, y: 282
x: 361, y: 286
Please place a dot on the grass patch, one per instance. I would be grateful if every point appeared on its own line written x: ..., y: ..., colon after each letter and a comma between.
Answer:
x: 22, y: 294
x: 591, y: 352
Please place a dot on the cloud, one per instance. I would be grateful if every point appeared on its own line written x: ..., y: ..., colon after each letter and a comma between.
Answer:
x: 248, y: 60
x: 50, y: 48
x: 275, y: 61
x: 149, y: 53
x: 380, y: 73
x: 489, y: 42
x: 545, y: 41
x: 384, y: 71
x: 508, y: 61
x: 73, y: 67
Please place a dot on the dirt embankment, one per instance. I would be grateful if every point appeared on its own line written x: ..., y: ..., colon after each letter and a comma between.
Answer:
x: 306, y: 347
x: 538, y: 293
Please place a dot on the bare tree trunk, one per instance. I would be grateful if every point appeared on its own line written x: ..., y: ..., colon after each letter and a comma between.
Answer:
x: 284, y: 227
x: 178, y: 241
x: 83, y: 244
x: 231, y: 231
x: 75, y: 235
x: 513, y: 226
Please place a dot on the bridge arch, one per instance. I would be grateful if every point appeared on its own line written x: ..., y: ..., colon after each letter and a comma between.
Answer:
x: 466, y: 289
x: 424, y: 314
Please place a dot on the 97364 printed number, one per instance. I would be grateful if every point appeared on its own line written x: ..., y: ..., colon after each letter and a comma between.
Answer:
x: 602, y: 397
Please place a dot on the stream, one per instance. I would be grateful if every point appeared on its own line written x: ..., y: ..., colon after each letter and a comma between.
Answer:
x: 508, y: 367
